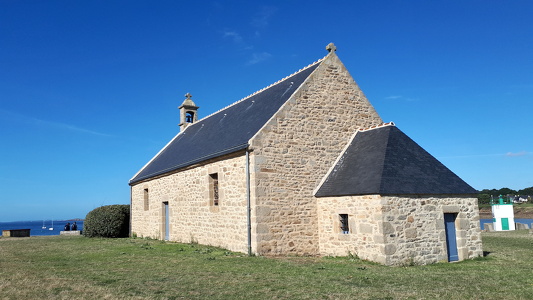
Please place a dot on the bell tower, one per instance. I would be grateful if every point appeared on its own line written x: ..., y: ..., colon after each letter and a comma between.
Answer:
x: 187, y: 112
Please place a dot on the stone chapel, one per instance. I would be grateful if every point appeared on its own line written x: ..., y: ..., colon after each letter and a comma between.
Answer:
x: 305, y: 166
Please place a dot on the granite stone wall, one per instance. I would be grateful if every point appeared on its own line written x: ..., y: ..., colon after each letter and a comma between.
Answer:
x: 399, y: 230
x: 295, y: 149
x: 413, y: 228
x: 193, y: 217
x: 364, y: 237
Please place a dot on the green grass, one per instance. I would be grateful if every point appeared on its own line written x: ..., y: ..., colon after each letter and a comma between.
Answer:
x: 78, y: 267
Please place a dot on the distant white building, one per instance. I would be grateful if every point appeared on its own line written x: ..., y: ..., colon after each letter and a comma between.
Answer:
x: 503, y: 213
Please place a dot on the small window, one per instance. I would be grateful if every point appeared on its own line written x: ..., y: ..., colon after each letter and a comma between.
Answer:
x: 146, y: 200
x: 345, y: 228
x: 213, y: 187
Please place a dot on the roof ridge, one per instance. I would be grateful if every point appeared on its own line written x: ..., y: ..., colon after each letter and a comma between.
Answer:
x: 259, y: 91
x: 377, y: 126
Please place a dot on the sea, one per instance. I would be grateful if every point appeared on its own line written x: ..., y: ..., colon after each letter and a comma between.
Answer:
x: 39, y: 228
x: 529, y: 222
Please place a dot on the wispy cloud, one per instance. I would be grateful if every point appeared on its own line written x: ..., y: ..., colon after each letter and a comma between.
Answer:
x: 471, y: 156
x: 508, y: 154
x: 237, y: 39
x: 399, y: 97
x: 245, y: 41
x: 50, y: 124
x: 393, y: 97
x: 262, y: 18
x: 521, y: 153
x: 72, y: 128
x: 526, y: 86
x: 258, y: 57
x: 233, y: 35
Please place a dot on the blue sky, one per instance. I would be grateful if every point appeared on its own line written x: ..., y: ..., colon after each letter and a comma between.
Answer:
x: 89, y: 90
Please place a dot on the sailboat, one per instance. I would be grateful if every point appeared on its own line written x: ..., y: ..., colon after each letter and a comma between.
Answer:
x: 44, y: 227
x: 52, y: 228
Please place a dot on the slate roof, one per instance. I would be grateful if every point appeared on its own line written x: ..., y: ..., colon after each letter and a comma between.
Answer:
x: 225, y: 131
x: 385, y: 161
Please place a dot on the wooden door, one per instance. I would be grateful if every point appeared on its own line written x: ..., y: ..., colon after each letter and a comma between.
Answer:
x: 451, y: 237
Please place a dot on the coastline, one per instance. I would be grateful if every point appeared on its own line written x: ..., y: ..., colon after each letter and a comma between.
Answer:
x: 519, y: 212
x: 39, y: 228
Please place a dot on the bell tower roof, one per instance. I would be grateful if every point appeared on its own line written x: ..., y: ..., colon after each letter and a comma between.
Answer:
x: 188, y: 103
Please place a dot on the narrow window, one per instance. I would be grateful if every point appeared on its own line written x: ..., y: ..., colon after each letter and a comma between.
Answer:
x: 146, y: 202
x: 213, y: 185
x: 344, y: 223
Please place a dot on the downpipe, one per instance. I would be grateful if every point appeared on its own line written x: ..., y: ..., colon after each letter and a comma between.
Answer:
x: 248, y: 204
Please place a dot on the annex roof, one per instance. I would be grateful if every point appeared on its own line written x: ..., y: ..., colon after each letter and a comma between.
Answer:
x: 385, y: 161
x: 225, y: 131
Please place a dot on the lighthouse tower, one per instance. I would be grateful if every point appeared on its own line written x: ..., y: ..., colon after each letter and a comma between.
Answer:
x: 502, y: 214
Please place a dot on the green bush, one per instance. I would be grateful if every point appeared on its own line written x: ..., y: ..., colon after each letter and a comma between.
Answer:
x: 110, y: 221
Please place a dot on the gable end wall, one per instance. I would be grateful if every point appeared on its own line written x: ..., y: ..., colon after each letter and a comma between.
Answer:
x: 293, y: 152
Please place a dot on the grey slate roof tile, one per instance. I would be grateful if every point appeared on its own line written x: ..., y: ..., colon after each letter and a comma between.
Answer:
x: 385, y: 161
x: 226, y: 131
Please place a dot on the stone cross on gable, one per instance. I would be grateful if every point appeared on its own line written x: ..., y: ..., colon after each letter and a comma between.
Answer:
x: 188, y: 96
x: 331, y: 47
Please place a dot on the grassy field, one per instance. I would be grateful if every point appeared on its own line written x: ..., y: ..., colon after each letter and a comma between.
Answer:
x: 77, y: 267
